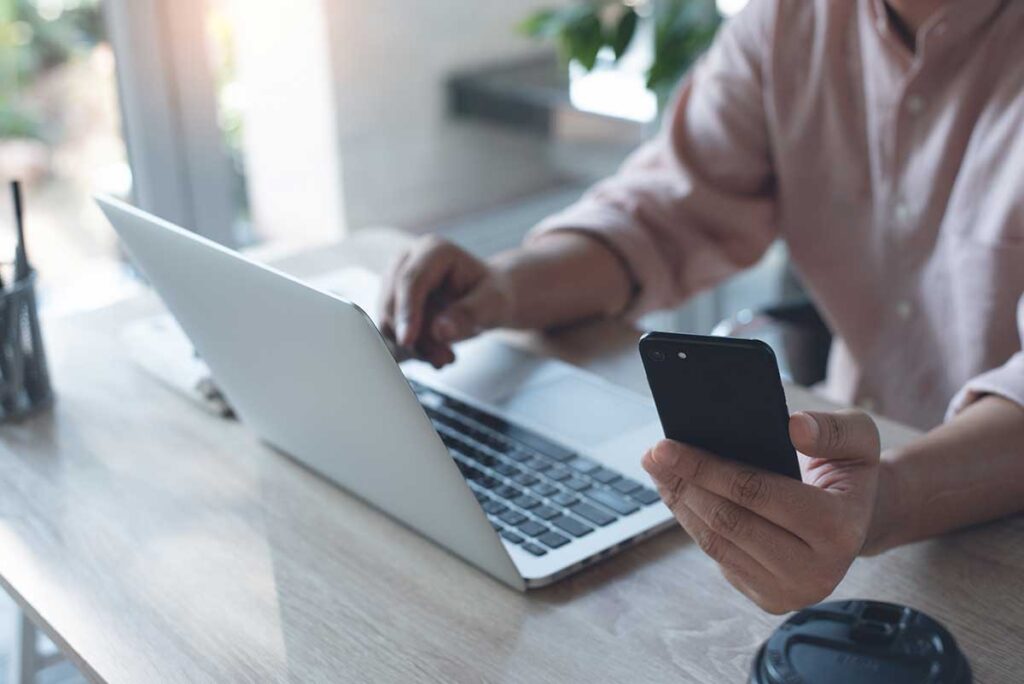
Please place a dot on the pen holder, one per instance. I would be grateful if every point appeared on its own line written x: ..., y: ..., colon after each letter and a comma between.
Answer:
x: 24, y: 379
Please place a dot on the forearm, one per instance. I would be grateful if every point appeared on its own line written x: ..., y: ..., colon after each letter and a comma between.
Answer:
x: 964, y: 472
x: 563, y: 277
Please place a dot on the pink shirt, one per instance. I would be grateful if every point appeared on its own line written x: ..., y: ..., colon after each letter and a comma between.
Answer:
x: 896, y: 180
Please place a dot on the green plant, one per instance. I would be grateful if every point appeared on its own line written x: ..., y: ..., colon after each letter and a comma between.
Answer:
x: 31, y: 44
x: 683, y: 29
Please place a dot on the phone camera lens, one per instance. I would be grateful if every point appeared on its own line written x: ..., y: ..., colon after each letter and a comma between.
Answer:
x: 657, y: 355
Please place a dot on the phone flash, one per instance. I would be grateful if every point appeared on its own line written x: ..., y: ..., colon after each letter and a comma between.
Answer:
x: 682, y: 355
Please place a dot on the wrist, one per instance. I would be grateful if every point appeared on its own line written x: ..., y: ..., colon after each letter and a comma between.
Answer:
x: 560, y: 277
x: 892, y: 516
x: 507, y: 277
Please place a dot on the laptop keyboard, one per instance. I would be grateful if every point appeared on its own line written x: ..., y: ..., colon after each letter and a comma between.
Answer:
x: 537, y: 494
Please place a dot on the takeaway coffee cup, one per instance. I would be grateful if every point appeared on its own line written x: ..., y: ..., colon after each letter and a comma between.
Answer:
x: 850, y: 642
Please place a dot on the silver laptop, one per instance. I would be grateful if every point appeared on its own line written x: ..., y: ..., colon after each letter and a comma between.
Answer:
x: 528, y: 468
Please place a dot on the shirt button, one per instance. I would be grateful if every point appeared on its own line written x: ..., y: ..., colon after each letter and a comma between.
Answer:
x: 915, y: 104
x: 903, y: 214
x: 903, y: 309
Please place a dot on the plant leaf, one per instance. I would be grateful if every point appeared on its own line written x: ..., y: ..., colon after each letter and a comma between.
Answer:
x: 583, y: 38
x: 624, y: 32
x: 683, y: 30
x: 540, y: 24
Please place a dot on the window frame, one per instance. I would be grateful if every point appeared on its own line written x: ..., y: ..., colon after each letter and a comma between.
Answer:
x: 181, y: 170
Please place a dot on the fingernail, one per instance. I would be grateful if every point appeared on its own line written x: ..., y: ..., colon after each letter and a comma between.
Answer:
x: 646, y: 460
x: 444, y: 329
x: 810, y: 424
x: 665, y: 456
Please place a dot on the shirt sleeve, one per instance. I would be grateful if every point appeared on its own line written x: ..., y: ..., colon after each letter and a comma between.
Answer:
x: 697, y: 203
x: 1006, y: 381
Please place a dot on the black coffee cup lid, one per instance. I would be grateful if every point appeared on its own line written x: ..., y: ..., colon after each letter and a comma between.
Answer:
x: 855, y: 642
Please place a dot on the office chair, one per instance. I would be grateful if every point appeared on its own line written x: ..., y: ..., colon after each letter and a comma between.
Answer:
x: 794, y: 329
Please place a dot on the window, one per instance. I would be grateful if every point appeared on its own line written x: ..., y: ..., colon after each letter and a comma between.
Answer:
x: 60, y: 134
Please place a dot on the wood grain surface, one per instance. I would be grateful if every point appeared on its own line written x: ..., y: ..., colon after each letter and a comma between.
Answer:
x: 157, y: 543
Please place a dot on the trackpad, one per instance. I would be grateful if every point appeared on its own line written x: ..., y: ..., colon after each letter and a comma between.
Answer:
x: 580, y: 410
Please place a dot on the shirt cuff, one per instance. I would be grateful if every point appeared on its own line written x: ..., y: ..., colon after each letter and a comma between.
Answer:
x: 1007, y: 381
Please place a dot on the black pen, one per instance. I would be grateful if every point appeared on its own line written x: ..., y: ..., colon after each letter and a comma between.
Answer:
x: 6, y: 316
x: 21, y: 267
x: 15, y: 221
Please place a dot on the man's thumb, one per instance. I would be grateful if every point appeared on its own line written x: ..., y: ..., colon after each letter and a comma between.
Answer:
x: 467, y: 316
x: 847, y: 434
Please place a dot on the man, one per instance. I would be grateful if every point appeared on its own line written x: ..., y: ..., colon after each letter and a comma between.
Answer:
x: 882, y: 140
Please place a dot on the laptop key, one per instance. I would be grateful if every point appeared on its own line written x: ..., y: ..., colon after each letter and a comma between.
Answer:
x: 577, y: 484
x: 532, y: 528
x: 645, y: 495
x: 546, y: 512
x: 506, y: 469
x: 454, y: 404
x: 607, y: 497
x: 519, y: 455
x: 559, y: 473
x: 490, y: 440
x: 443, y: 421
x: 564, y: 499
x: 525, y: 479
x: 526, y: 501
x: 471, y: 473
x: 553, y: 539
x: 584, y: 465
x: 544, y: 489
x: 538, y: 464
x: 457, y: 442
x: 593, y: 514
x: 572, y: 526
x: 605, y: 476
x: 494, y: 507
x: 512, y: 517
x: 508, y: 492
x: 511, y: 536
x: 535, y: 441
x: 626, y: 485
x: 483, y: 458
x: 534, y: 549
x: 488, y: 420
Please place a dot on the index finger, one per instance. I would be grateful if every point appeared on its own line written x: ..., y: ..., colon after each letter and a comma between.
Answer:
x: 424, y: 271
x: 788, y: 503
x: 386, y: 297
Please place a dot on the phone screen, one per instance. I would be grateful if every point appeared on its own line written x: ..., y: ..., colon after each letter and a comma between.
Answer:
x: 723, y: 395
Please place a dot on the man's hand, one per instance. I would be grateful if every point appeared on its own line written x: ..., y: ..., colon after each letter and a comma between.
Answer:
x: 438, y: 294
x: 783, y: 543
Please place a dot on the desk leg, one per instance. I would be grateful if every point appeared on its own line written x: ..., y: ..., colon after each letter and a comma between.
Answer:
x: 24, y: 656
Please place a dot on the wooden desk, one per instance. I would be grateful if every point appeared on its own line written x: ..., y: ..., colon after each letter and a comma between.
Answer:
x: 155, y: 542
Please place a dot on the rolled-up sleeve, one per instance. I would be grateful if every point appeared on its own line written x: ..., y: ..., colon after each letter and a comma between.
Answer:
x: 1006, y: 381
x: 696, y: 204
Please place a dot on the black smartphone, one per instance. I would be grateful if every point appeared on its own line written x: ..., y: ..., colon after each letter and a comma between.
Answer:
x: 723, y: 395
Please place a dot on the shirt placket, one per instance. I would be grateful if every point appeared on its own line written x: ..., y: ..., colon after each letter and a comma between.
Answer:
x: 908, y: 200
x: 903, y: 207
x: 907, y: 239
